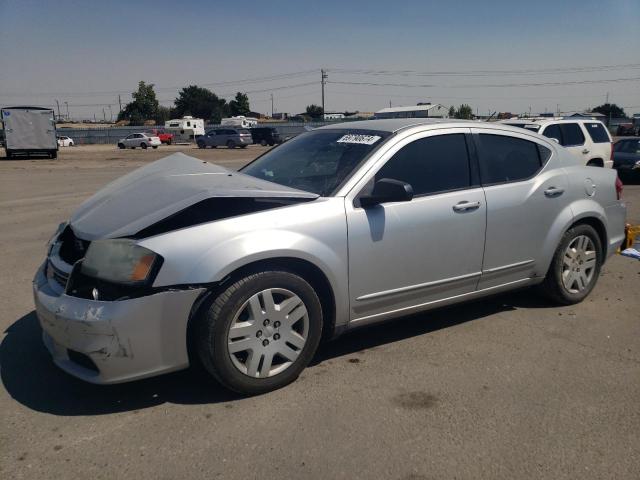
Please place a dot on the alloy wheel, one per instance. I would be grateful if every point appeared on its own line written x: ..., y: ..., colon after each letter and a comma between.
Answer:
x: 578, y: 264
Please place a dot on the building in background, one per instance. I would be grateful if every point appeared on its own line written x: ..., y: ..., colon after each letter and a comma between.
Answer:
x: 428, y: 110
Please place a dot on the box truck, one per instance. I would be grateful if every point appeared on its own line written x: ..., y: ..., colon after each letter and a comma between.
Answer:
x: 29, y: 131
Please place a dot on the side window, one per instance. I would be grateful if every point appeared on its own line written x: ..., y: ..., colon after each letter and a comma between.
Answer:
x: 507, y: 159
x: 431, y: 165
x: 597, y: 132
x: 553, y: 131
x: 572, y: 134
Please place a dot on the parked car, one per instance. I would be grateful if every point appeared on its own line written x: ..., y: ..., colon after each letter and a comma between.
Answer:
x: 65, y: 141
x: 229, y: 137
x: 626, y: 129
x: 626, y: 158
x: 165, y: 137
x: 141, y: 140
x: 340, y: 227
x: 266, y: 136
x: 587, y: 139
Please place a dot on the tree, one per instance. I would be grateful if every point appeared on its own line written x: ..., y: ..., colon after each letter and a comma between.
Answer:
x: 314, y: 111
x: 610, y: 110
x: 200, y: 103
x: 162, y: 115
x: 144, y: 106
x: 464, y: 112
x: 452, y: 112
x: 239, y: 105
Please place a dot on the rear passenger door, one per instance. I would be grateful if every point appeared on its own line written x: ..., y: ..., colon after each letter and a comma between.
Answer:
x: 524, y: 188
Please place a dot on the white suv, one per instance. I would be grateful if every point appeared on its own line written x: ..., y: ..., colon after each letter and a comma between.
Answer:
x: 586, y: 139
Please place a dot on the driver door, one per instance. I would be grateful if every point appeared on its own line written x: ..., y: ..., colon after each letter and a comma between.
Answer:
x: 404, y: 256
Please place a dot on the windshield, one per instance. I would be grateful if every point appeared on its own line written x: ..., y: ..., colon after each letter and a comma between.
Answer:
x: 318, y: 161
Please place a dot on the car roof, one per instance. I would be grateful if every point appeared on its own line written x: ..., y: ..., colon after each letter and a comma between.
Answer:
x: 396, y: 124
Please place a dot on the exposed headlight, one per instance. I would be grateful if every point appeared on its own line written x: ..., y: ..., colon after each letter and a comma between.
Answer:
x: 120, y: 261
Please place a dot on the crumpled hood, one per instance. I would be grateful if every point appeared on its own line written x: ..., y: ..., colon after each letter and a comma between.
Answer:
x: 163, y: 188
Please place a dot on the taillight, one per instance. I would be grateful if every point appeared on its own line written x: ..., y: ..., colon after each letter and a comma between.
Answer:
x: 611, y: 156
x: 619, y: 187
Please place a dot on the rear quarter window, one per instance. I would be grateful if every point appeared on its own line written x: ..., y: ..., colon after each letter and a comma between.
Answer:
x: 597, y: 132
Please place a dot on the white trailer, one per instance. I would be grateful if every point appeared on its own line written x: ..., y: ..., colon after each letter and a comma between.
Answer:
x: 29, y: 131
x: 184, y: 129
x: 239, y: 121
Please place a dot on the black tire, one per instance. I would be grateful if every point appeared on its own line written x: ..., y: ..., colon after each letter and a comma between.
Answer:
x: 155, y: 147
x: 553, y: 286
x: 244, y: 146
x: 271, y: 144
x: 169, y: 142
x: 9, y: 154
x: 53, y: 154
x: 263, y: 142
x: 143, y: 146
x: 121, y: 146
x: 201, y: 145
x: 231, y: 144
x: 213, y: 325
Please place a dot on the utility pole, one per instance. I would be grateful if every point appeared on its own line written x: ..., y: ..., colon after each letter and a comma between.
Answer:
x: 67, y: 104
x: 120, y: 103
x: 272, y: 105
x: 389, y: 103
x: 104, y: 116
x: 110, y: 114
x: 58, y: 104
x: 323, y: 81
x: 606, y: 102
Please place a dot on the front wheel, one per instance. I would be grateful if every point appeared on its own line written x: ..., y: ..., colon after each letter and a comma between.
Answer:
x: 169, y: 142
x: 575, y: 266
x: 143, y: 146
x: 231, y: 144
x: 121, y: 146
x: 201, y: 145
x: 260, y: 332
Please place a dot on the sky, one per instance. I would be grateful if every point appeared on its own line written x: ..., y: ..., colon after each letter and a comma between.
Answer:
x: 516, y: 56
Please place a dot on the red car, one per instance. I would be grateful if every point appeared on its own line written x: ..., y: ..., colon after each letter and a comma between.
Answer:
x: 162, y: 135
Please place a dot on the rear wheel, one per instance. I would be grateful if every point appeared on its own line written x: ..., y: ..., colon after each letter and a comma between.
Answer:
x: 201, y: 145
x: 53, y: 154
x: 154, y: 147
x: 231, y: 144
x: 575, y: 266
x: 121, y: 146
x: 9, y: 154
x: 263, y: 142
x: 143, y: 146
x: 261, y: 332
x: 169, y: 142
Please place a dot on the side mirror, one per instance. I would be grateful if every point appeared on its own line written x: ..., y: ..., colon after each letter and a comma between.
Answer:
x: 388, y: 190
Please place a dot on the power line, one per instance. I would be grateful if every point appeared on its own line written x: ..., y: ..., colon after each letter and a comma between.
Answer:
x: 503, y: 85
x: 481, y: 73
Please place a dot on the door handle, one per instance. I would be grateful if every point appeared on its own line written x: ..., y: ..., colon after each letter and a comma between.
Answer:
x: 466, y: 206
x: 553, y: 192
x: 585, y: 151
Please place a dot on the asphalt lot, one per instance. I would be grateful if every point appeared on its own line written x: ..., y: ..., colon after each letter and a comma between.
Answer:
x: 507, y: 387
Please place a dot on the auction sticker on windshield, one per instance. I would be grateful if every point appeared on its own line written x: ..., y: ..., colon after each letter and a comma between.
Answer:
x: 361, y: 139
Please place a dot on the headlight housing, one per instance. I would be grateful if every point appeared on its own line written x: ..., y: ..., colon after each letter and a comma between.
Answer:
x: 120, y: 261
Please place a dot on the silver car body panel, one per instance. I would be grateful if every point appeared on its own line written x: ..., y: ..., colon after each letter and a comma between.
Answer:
x: 381, y: 262
x: 161, y: 189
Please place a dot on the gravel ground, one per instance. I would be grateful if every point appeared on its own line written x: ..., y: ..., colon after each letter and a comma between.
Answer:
x: 507, y: 387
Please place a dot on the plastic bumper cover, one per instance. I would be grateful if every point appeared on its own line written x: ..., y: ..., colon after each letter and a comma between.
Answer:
x: 124, y: 340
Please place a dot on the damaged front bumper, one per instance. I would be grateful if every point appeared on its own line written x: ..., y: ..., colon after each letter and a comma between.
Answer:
x: 110, y: 342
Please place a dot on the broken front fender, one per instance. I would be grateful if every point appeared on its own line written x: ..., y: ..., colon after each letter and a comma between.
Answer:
x: 112, y: 342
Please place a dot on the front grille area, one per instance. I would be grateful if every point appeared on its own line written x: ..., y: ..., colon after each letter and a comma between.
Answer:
x: 58, y: 275
x: 72, y: 248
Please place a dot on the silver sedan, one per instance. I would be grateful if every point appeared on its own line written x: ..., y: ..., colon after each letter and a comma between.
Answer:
x: 340, y: 227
